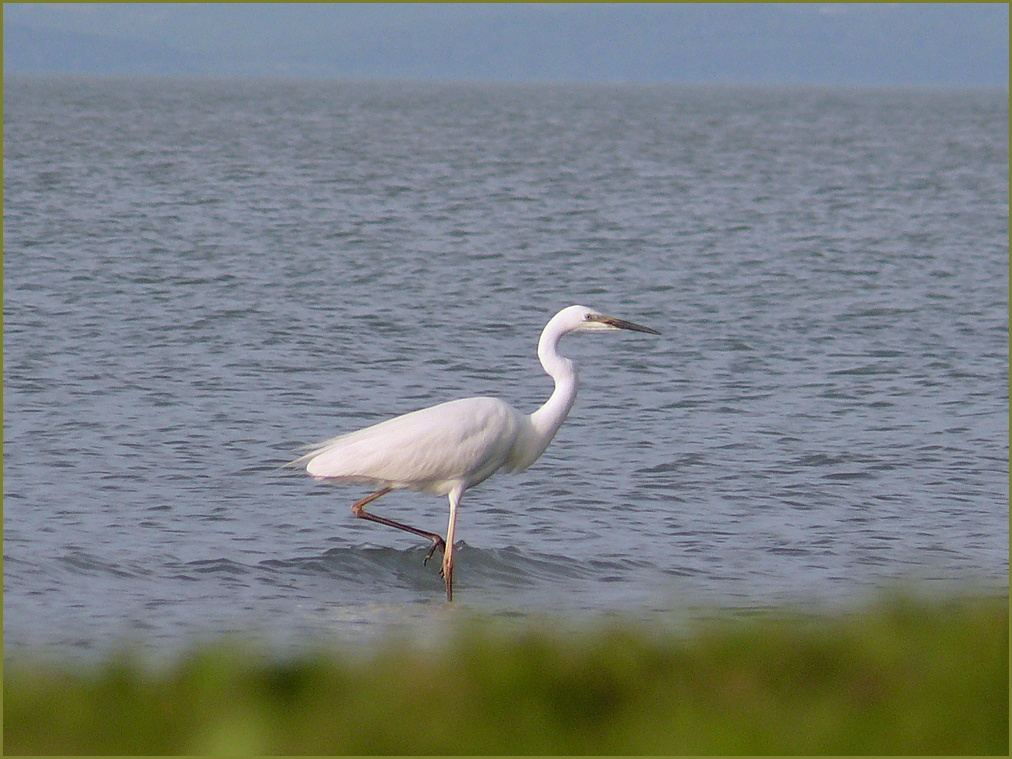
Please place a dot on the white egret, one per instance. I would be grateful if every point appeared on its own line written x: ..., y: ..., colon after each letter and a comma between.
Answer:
x: 446, y: 449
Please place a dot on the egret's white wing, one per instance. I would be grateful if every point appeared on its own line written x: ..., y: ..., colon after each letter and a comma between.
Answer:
x: 462, y: 441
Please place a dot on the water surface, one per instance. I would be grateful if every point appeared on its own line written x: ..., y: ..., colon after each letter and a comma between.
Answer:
x: 201, y: 277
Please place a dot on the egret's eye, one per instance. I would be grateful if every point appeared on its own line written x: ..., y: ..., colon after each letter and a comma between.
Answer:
x: 587, y: 316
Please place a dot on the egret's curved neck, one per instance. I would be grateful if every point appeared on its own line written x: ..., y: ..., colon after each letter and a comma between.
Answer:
x: 547, y: 419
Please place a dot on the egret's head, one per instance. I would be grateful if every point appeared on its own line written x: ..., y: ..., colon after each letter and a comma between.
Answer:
x: 584, y: 319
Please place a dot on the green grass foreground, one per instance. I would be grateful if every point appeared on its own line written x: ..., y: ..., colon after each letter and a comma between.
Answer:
x: 904, y: 676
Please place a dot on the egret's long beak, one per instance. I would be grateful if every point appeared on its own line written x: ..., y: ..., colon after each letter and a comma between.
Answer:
x: 611, y: 321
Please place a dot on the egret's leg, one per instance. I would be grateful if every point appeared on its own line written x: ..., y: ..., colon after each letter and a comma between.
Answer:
x: 447, y: 571
x: 358, y: 509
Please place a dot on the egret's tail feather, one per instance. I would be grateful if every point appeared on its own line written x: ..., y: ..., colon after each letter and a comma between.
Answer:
x: 312, y: 450
x: 301, y: 460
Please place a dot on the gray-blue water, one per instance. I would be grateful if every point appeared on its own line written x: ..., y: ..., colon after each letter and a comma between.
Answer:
x: 200, y: 278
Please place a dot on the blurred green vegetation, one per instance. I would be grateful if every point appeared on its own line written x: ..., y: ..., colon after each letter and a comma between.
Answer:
x: 903, y: 676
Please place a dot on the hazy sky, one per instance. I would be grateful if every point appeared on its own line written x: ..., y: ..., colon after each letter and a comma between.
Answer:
x: 830, y: 43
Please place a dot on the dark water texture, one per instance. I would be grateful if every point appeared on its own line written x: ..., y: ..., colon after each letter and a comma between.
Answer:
x: 201, y: 277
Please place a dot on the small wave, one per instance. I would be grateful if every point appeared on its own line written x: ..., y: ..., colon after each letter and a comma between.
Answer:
x: 508, y: 567
x: 512, y: 567
x: 365, y: 573
x: 212, y: 566
x: 81, y: 562
x: 370, y: 565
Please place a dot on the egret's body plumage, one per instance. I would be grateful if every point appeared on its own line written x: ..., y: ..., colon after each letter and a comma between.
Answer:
x: 432, y: 450
x: 446, y: 449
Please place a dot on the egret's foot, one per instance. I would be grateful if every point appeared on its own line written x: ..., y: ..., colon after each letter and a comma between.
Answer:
x: 437, y: 542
